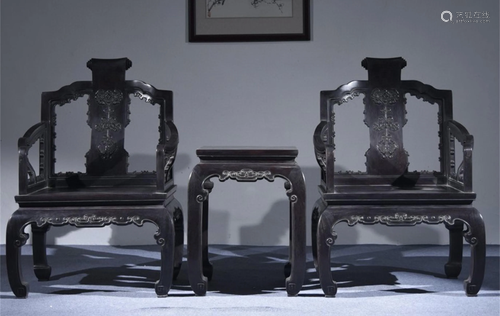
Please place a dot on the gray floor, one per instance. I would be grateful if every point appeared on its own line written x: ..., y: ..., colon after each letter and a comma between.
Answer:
x: 373, y: 280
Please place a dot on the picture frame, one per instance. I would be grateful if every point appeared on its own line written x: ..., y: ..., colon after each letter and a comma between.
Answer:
x: 248, y: 20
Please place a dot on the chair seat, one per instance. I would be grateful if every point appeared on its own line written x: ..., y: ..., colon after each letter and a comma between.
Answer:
x: 94, y: 196
x: 389, y: 194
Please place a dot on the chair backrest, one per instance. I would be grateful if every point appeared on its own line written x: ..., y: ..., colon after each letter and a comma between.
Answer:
x: 108, y: 116
x: 385, y: 115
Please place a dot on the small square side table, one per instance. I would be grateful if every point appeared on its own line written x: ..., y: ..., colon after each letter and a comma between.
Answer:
x: 244, y: 164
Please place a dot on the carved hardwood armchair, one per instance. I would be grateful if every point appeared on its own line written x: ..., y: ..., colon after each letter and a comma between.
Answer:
x: 387, y: 193
x: 107, y: 193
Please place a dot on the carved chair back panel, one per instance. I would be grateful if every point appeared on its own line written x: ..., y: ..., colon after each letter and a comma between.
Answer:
x: 384, y: 99
x: 107, y: 117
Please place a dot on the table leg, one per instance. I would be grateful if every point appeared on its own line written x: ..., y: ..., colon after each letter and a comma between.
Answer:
x: 297, y: 196
x: 196, y: 205
x: 207, y: 266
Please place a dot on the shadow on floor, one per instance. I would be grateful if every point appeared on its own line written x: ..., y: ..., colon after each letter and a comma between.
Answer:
x: 248, y: 270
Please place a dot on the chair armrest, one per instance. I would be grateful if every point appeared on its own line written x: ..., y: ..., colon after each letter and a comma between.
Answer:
x: 319, y: 145
x: 29, y: 181
x: 462, y: 177
x: 325, y: 157
x: 165, y: 156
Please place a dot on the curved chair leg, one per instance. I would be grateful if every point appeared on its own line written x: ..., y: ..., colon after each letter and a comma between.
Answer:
x: 40, y: 265
x: 166, y: 239
x: 454, y: 265
x: 314, y: 230
x: 287, y: 270
x: 476, y: 237
x: 14, y: 241
x: 179, y: 237
x: 324, y: 241
x: 208, y: 268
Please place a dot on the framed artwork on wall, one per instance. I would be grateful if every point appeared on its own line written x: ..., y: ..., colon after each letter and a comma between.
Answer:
x: 248, y: 20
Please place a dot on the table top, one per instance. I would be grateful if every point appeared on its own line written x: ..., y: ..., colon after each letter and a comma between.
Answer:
x: 247, y: 153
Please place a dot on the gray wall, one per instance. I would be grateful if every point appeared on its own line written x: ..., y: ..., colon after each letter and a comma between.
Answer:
x: 250, y: 94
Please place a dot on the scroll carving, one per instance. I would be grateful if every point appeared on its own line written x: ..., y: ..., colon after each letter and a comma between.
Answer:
x: 108, y: 99
x: 246, y: 175
x: 400, y: 219
x: 386, y: 97
x: 87, y: 221
x: 90, y: 220
x: 350, y: 95
x: 143, y: 96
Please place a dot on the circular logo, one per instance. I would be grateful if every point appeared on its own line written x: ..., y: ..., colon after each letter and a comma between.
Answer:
x: 444, y: 13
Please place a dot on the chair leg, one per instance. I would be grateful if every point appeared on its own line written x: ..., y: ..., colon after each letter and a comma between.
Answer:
x: 166, y: 239
x: 179, y: 237
x: 324, y: 241
x: 15, y: 239
x: 40, y: 265
x: 314, y: 230
x: 454, y: 265
x: 476, y: 237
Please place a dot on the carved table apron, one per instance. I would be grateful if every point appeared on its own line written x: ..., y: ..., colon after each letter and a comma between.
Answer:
x: 244, y: 164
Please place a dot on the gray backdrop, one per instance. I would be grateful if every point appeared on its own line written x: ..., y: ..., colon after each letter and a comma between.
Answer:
x: 251, y: 94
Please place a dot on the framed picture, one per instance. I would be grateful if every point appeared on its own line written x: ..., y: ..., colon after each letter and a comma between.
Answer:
x: 248, y: 20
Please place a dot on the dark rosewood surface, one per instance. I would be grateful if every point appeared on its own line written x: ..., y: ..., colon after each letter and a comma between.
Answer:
x: 386, y: 192
x: 107, y: 193
x: 244, y: 164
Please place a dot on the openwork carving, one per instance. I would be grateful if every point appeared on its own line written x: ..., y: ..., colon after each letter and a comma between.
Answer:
x: 107, y: 147
x: 422, y: 93
x: 387, y: 146
x: 108, y: 123
x: 347, y: 97
x: 321, y: 159
x: 246, y: 175
x: 399, y: 219
x: 108, y: 97
x: 169, y: 161
x: 31, y: 172
x: 90, y: 220
x: 386, y: 122
x: 324, y: 132
x: 469, y: 236
x: 42, y: 156
x: 385, y: 97
x: 350, y: 172
x: 459, y: 175
x: 68, y: 98
x: 402, y: 219
x: 143, y: 96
